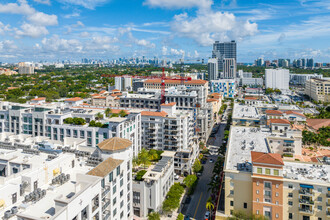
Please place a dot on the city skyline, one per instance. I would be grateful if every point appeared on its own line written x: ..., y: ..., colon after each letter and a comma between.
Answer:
x: 72, y: 29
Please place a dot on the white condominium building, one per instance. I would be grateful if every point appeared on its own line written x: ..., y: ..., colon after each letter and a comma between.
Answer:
x: 318, y: 89
x: 49, y: 121
x: 277, y: 79
x: 150, y: 192
x: 36, y: 185
x: 212, y: 67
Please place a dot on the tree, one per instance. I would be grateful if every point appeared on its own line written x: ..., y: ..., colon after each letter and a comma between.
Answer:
x: 144, y: 158
x: 107, y: 112
x: 209, y: 205
x: 189, y: 180
x: 68, y: 121
x: 173, y: 196
x: 180, y: 217
x: 122, y: 113
x: 99, y: 116
x: 153, y: 216
x: 197, y: 166
x: 153, y: 155
x: 135, y: 161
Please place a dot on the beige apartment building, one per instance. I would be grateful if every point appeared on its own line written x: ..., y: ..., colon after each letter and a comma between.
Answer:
x: 318, y: 89
x: 258, y: 180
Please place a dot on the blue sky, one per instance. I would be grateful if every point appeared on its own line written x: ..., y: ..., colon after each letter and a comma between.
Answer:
x: 34, y: 30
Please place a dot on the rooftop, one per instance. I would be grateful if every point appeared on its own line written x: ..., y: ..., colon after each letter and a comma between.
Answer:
x: 38, y: 99
x: 169, y: 81
x: 169, y: 104
x: 157, y: 114
x: 245, y: 111
x: 318, y: 123
x: 105, y: 167
x: 114, y: 144
x: 243, y: 140
x: 274, y: 112
x: 279, y: 121
x: 75, y: 99
x: 268, y: 158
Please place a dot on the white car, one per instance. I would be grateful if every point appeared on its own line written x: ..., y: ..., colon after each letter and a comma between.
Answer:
x: 207, y: 215
x: 176, y: 177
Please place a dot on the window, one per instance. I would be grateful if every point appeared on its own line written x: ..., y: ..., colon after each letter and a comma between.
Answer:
x: 118, y: 170
x: 268, y: 193
x: 267, y: 171
x: 319, y: 199
x: 276, y: 202
x: 276, y: 172
x: 128, y: 165
x: 121, y: 204
x: 290, y: 186
x: 257, y: 212
x: 14, y: 198
x: 259, y: 170
x: 257, y: 199
x: 122, y: 214
x: 121, y: 193
x: 114, y: 189
x: 276, y: 194
x: 290, y: 215
x: 277, y: 185
x: 290, y: 195
x: 136, y: 197
x: 231, y: 203
x: 268, y: 185
x: 121, y: 182
x: 114, y: 201
x: 319, y: 207
x: 245, y: 205
x: 257, y: 191
x: 319, y: 190
x: 114, y: 212
x: 276, y: 215
x: 110, y: 177
x: 257, y: 183
x: 290, y: 203
x: 231, y: 192
x: 268, y: 200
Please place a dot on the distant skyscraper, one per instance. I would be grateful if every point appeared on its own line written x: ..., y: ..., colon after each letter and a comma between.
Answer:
x: 259, y: 62
x: 310, y: 63
x: 222, y: 51
x: 212, y: 67
x: 229, y: 68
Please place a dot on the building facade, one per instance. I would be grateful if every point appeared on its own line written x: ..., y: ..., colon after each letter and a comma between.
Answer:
x: 277, y: 79
x: 318, y: 89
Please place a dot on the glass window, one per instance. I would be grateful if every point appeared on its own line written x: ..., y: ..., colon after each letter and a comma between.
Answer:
x: 118, y: 170
x: 114, y: 189
x: 276, y: 172
x: 111, y: 177
x: 267, y: 171
x: 259, y: 170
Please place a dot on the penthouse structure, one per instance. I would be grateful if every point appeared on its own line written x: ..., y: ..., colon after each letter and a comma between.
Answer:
x: 50, y: 121
x: 259, y: 180
x: 247, y: 115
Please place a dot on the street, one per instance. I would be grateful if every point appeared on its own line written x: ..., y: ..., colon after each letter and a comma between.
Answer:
x: 196, y: 209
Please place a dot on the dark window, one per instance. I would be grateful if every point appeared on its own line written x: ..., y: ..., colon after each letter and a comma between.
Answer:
x: 290, y: 215
x: 245, y: 205
x: 231, y: 203
x: 14, y: 198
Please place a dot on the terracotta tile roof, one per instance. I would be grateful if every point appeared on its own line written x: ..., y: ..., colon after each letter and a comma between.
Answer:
x: 149, y: 113
x: 38, y: 99
x: 251, y: 98
x: 212, y: 100
x: 116, y: 94
x: 169, y: 81
x: 116, y: 90
x: 116, y: 111
x: 117, y: 98
x: 295, y: 113
x: 215, y: 93
x: 114, y: 144
x: 279, y: 121
x: 168, y: 104
x: 103, y: 91
x: 274, y: 112
x: 95, y: 94
x: 100, y: 97
x: 266, y: 158
x: 105, y: 167
x: 318, y: 123
x: 73, y: 99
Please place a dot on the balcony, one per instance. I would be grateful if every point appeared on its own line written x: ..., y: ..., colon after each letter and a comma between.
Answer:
x: 306, y: 211
x: 306, y: 201
x: 106, y: 215
x: 328, y: 195
x: 105, y: 191
x: 328, y: 213
x: 305, y: 192
x: 105, y: 204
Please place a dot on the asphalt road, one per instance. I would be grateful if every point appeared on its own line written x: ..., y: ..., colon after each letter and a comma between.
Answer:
x: 196, y: 208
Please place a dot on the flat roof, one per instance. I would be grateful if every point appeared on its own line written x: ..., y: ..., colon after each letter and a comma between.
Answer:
x: 314, y: 173
x: 243, y: 140
x: 245, y: 111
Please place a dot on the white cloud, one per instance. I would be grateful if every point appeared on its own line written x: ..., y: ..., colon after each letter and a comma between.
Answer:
x: 4, y: 28
x: 145, y: 43
x: 164, y: 51
x: 177, y: 52
x: 46, y: 2
x: 57, y: 44
x: 196, y: 54
x: 209, y: 26
x: 14, y: 8
x: 42, y: 19
x: 30, y: 30
x: 7, y: 46
x: 84, y: 34
x: 175, y: 4
x: 89, y: 4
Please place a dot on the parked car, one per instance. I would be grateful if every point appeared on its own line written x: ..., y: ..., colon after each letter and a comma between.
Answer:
x: 176, y: 177
x: 207, y: 215
x: 188, y: 199
x: 211, y: 160
x: 187, y: 217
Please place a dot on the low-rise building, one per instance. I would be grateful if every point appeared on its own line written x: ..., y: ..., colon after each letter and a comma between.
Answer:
x: 247, y: 115
x: 226, y: 87
x: 150, y: 192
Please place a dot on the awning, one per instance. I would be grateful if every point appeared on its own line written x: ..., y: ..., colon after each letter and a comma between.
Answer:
x: 307, y: 186
x: 328, y: 188
x: 288, y: 141
x: 2, y: 167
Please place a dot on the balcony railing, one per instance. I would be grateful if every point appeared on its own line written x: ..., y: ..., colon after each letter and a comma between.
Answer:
x: 306, y: 192
x: 106, y: 215
x: 105, y: 205
x: 306, y: 211
x: 305, y: 201
x: 106, y: 190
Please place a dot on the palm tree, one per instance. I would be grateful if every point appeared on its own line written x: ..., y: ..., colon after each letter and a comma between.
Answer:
x: 135, y: 161
x: 153, y: 154
x: 99, y: 116
x: 209, y: 205
x: 107, y: 112
x: 144, y: 157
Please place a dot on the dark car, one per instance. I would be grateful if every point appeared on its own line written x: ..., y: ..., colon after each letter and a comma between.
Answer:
x: 188, y: 199
x: 187, y: 217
